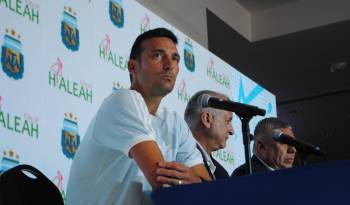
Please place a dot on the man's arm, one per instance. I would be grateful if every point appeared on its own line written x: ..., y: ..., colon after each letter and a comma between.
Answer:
x: 147, y: 155
x: 171, y: 173
x: 158, y: 172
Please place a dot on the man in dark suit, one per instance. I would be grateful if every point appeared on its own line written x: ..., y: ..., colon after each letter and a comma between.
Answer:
x: 269, y: 155
x: 211, y: 128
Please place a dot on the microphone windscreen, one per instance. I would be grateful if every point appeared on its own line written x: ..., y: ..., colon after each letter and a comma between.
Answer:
x: 204, y: 100
x: 276, y: 134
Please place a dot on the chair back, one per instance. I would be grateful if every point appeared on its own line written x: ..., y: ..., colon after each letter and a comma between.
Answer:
x: 25, y: 184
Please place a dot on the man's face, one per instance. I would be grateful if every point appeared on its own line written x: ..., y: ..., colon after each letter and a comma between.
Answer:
x: 220, y: 129
x: 281, y: 155
x: 154, y: 74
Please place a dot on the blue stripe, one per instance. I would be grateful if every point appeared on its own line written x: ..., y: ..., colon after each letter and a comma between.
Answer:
x: 189, y: 49
x: 7, y: 163
x: 71, y: 22
x: 12, y: 47
x: 251, y: 96
x: 70, y: 121
x: 8, y: 40
x: 118, y: 2
x: 69, y: 124
x: 69, y: 16
x: 188, y: 46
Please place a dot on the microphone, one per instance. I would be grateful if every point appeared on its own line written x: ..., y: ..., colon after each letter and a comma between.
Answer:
x: 302, y: 147
x: 239, y: 108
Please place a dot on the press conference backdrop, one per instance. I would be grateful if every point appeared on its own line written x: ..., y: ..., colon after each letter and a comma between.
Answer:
x: 60, y: 59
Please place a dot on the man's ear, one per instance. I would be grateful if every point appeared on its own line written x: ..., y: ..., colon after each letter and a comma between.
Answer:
x: 260, y: 146
x: 206, y: 119
x: 132, y: 66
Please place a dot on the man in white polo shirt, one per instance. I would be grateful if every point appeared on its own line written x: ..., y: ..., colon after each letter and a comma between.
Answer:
x: 131, y: 147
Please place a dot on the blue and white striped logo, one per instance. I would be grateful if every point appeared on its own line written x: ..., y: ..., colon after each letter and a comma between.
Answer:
x: 11, y: 55
x: 70, y: 138
x: 69, y: 29
x: 116, y: 12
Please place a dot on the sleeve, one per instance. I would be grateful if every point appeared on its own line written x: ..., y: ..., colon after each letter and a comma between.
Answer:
x: 123, y: 121
x: 187, y: 153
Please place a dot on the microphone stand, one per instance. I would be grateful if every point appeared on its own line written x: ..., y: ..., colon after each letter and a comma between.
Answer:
x: 245, y: 118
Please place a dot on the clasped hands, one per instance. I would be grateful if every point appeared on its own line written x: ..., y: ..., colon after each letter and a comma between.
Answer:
x: 173, y: 173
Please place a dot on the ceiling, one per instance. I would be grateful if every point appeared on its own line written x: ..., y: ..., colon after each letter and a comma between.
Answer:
x: 257, y: 5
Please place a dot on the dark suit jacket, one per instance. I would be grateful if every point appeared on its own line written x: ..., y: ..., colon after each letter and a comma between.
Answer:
x: 220, y: 171
x: 257, y: 166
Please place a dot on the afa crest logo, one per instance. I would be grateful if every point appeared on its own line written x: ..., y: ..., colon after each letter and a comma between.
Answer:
x: 69, y: 29
x: 70, y: 138
x: 9, y: 160
x: 116, y: 12
x: 11, y: 55
x: 189, y: 55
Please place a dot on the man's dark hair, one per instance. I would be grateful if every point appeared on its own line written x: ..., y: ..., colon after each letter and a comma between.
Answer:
x: 136, y: 48
x: 267, y: 125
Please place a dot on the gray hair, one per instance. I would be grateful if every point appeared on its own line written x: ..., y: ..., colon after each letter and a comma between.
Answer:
x: 194, y: 108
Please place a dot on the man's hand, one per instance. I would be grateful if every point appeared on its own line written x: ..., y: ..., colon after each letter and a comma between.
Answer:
x: 174, y: 173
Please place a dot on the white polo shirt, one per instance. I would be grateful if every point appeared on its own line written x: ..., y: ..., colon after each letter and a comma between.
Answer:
x: 103, y: 173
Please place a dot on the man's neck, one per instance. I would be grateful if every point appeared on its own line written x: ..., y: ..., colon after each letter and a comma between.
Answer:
x: 152, y: 104
x: 203, y: 142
